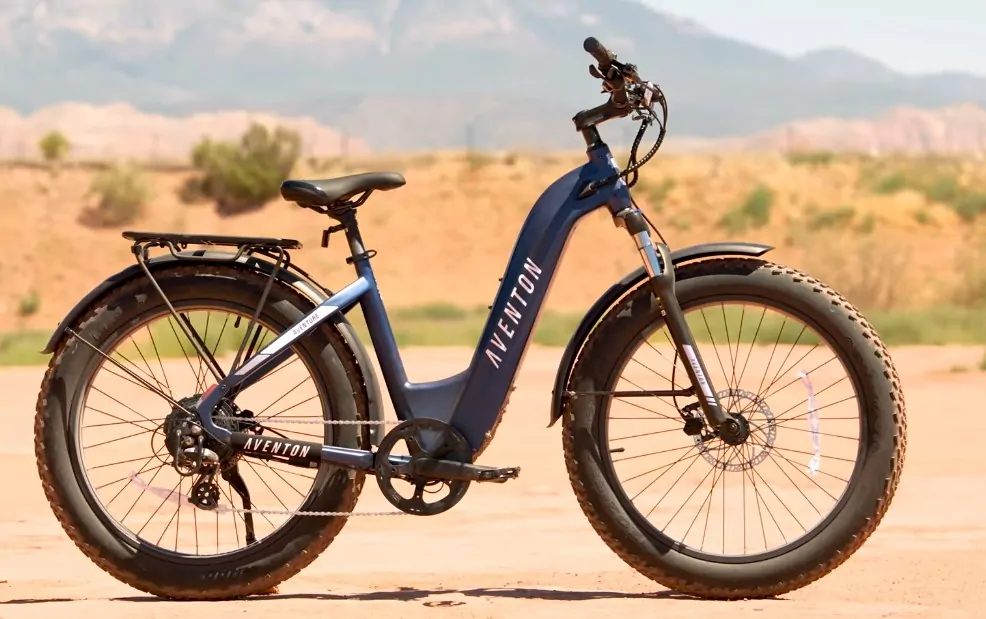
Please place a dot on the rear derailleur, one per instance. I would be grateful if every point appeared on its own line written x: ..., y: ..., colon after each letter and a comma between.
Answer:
x: 194, y: 454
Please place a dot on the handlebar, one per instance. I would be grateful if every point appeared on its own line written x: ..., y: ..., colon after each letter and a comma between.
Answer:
x: 627, y: 94
x: 627, y: 91
x: 598, y: 51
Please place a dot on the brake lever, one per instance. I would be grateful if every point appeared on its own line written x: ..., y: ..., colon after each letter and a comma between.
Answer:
x: 648, y: 89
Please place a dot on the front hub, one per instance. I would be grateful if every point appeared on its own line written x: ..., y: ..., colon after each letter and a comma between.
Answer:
x: 747, y: 450
x: 735, y: 431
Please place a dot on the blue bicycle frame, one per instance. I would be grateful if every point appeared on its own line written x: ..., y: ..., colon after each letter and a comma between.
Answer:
x: 473, y: 400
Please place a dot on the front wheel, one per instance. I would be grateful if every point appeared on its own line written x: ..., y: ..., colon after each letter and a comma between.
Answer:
x: 801, y: 368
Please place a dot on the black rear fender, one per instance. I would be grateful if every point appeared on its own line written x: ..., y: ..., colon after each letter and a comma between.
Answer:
x: 305, y: 285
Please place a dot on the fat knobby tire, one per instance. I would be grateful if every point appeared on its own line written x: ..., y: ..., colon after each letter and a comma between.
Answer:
x: 883, y: 442
x: 260, y: 567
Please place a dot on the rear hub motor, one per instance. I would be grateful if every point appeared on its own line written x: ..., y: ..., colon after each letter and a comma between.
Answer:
x: 187, y: 443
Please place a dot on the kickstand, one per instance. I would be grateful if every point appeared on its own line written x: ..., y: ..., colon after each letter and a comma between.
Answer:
x: 232, y: 475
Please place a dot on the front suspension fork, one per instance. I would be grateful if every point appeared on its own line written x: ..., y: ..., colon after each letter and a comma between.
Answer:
x: 657, y: 262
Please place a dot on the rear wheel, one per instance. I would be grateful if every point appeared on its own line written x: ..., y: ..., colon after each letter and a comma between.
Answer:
x: 803, y: 371
x: 105, y: 459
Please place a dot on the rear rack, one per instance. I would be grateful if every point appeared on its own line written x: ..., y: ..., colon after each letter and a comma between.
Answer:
x: 184, y: 240
x: 178, y: 244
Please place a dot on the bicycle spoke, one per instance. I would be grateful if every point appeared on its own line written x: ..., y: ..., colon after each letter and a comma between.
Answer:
x: 153, y: 501
x: 771, y: 497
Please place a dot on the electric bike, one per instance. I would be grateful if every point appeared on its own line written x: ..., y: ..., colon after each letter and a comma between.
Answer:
x: 671, y: 459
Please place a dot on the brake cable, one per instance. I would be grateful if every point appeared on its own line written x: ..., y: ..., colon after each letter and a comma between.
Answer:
x: 630, y: 174
x: 632, y: 164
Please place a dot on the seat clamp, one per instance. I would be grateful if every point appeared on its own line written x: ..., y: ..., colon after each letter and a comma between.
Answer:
x: 366, y: 255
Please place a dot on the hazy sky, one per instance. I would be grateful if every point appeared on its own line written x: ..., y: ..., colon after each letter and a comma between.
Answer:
x: 911, y: 36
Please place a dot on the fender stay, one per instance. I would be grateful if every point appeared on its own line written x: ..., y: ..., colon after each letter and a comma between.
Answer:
x: 616, y: 292
x: 306, y: 286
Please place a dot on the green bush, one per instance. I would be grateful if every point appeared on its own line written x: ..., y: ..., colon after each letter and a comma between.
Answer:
x: 243, y: 176
x: 944, y: 189
x: 29, y: 305
x: 54, y: 146
x: 477, y: 160
x: 733, y: 221
x: 818, y: 158
x: 937, y: 181
x: 754, y: 212
x: 969, y: 205
x: 970, y: 289
x: 122, y: 195
x: 831, y: 218
x: 891, y: 183
x: 655, y: 193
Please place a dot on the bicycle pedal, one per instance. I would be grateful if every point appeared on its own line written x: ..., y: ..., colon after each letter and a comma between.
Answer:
x: 498, y: 476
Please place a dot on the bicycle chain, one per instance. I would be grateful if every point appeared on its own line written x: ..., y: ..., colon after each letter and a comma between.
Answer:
x: 284, y: 512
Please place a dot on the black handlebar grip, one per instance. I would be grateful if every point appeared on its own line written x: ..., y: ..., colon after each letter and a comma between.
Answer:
x: 602, y: 55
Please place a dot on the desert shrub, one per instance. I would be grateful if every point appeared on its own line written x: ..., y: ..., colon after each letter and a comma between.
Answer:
x: 970, y: 289
x: 890, y: 183
x: 680, y: 222
x: 867, y: 225
x: 733, y: 221
x: 817, y: 158
x: 969, y: 205
x: 122, y: 194
x: 245, y: 175
x: 29, y: 305
x: 477, y: 160
x: 937, y: 179
x: 54, y: 146
x: 425, y: 160
x: 753, y: 213
x: 865, y: 269
x: 943, y: 189
x: 655, y: 193
x: 838, y: 217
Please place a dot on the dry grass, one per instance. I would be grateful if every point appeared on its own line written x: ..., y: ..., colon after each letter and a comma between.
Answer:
x: 907, y: 242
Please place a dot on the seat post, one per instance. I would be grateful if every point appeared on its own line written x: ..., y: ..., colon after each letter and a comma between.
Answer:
x: 360, y: 257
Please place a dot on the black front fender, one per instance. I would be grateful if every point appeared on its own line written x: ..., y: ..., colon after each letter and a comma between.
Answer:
x: 617, y: 291
x: 306, y: 286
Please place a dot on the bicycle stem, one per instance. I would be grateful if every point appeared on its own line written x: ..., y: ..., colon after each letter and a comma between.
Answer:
x: 657, y: 262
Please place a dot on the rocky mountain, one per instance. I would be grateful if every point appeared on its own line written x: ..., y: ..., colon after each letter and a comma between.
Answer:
x: 429, y: 73
x: 952, y: 129
x: 119, y: 131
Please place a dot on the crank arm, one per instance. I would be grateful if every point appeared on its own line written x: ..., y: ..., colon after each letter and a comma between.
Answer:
x: 433, y: 468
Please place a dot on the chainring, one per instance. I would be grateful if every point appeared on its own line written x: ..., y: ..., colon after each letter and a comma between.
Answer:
x: 449, y: 445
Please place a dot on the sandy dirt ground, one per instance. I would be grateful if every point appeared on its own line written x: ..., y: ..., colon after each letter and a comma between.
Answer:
x: 525, y: 549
